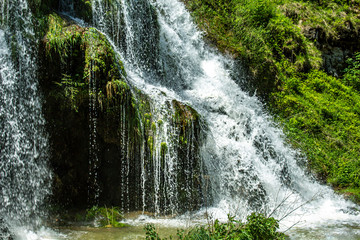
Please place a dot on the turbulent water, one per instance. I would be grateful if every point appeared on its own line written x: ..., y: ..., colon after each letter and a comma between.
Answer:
x: 24, y: 177
x: 250, y: 168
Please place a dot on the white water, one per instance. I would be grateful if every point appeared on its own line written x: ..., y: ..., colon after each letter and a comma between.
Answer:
x: 250, y: 166
x: 24, y: 176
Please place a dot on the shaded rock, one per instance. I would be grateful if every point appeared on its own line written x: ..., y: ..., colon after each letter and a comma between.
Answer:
x: 335, y: 48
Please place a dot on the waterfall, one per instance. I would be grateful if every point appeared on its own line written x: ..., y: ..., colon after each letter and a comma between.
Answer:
x: 24, y: 174
x: 244, y: 164
x: 159, y: 170
x: 250, y: 166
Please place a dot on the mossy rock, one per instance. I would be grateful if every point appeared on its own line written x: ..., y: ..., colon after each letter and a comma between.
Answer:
x: 82, y: 79
x: 78, y: 67
x: 82, y: 55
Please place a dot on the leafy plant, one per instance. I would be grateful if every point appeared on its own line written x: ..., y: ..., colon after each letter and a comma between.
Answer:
x: 258, y: 227
x: 352, y: 72
x: 106, y: 217
x: 151, y: 233
x: 71, y: 89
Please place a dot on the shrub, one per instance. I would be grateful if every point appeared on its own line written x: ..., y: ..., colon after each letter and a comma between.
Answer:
x: 258, y: 227
x: 352, y: 72
x: 105, y: 217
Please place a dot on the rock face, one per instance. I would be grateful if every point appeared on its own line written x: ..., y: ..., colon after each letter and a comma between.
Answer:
x: 335, y: 49
x: 107, y: 145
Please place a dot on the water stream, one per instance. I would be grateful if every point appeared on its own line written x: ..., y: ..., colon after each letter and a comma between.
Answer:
x: 249, y: 166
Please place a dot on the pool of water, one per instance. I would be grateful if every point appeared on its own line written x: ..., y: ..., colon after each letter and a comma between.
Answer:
x: 343, y: 232
x: 91, y: 233
x: 136, y: 232
x: 168, y: 226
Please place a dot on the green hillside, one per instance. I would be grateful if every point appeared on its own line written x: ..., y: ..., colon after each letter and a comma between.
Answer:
x: 303, y: 60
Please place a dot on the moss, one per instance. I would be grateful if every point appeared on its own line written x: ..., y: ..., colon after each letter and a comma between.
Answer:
x: 164, y: 148
x: 150, y: 142
x: 351, y: 194
x: 94, y: 55
x: 72, y: 58
x: 153, y: 127
x: 184, y: 117
x: 321, y: 118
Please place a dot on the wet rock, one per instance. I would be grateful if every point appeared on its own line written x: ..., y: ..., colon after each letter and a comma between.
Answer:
x: 101, y: 126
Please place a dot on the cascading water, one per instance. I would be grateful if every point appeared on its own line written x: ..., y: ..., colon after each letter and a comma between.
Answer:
x: 140, y: 51
x: 250, y: 168
x: 24, y: 176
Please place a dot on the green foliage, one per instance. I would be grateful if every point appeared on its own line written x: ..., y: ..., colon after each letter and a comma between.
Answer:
x: 61, y: 39
x: 106, y: 217
x: 151, y: 233
x: 258, y: 227
x: 332, y: 19
x: 71, y: 88
x: 321, y: 116
x: 320, y: 113
x: 163, y: 148
x: 256, y: 13
x: 352, y: 72
x: 258, y: 32
x: 85, y: 55
x: 269, y: 34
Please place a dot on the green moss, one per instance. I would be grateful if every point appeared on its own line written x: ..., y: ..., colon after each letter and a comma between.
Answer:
x: 352, y: 194
x: 84, y: 53
x: 150, y: 142
x: 352, y: 72
x: 269, y: 36
x: 153, y: 127
x: 163, y: 148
